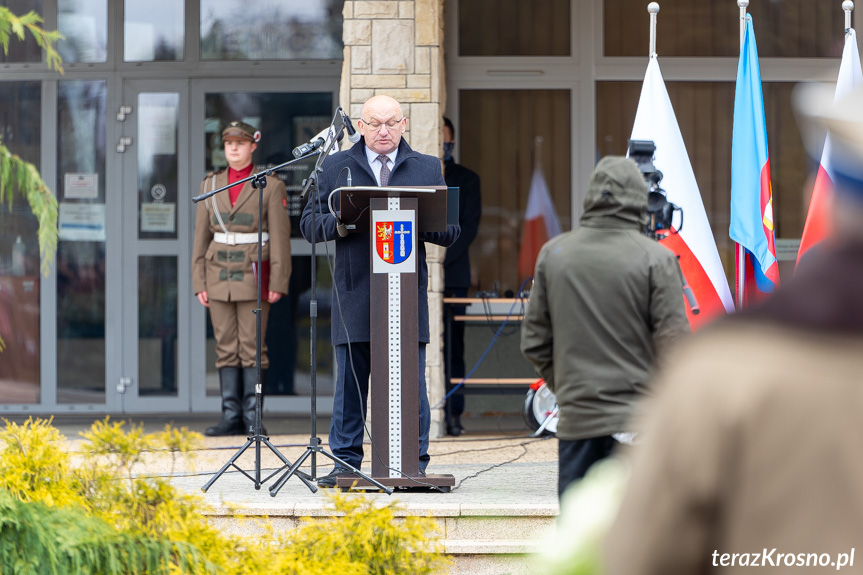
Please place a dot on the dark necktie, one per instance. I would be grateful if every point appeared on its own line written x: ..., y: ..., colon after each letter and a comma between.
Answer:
x: 385, y: 171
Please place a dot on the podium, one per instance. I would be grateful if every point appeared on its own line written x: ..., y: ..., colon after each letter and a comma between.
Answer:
x: 394, y: 216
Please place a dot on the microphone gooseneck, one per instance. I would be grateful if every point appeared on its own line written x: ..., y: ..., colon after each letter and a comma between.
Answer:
x: 353, y: 135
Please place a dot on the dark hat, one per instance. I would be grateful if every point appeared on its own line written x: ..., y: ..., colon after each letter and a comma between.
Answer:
x: 241, y: 130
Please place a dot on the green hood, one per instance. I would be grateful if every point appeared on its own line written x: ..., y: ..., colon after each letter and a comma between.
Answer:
x: 617, y: 194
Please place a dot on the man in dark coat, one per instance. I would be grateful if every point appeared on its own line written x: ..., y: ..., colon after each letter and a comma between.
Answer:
x: 380, y: 158
x: 456, y: 268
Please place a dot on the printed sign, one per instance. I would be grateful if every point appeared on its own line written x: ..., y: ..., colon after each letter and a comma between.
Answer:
x: 81, y: 186
x: 81, y: 222
x: 158, y: 218
x: 394, y: 241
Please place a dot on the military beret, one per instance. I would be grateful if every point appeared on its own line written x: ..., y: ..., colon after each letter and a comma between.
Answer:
x: 241, y: 130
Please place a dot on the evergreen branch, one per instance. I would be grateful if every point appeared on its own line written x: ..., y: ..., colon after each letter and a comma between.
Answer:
x: 23, y: 177
x: 10, y: 24
x: 38, y: 538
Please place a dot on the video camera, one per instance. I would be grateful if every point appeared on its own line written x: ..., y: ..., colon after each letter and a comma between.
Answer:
x: 659, y: 210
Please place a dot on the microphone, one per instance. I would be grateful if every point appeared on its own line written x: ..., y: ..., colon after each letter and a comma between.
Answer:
x: 353, y: 135
x: 319, y: 140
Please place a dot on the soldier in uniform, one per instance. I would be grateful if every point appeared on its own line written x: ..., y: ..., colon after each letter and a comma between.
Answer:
x: 225, y: 268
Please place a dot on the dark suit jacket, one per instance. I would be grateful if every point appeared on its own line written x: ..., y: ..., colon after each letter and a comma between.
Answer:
x: 456, y: 265
x: 352, y: 278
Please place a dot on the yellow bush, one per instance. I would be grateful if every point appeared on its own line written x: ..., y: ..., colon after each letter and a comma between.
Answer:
x: 145, y: 525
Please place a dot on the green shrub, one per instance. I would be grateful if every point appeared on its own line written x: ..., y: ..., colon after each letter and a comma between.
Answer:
x: 75, y: 514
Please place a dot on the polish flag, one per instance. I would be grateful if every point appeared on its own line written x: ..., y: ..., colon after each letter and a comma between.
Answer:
x: 540, y: 224
x: 694, y: 246
x: 817, y: 226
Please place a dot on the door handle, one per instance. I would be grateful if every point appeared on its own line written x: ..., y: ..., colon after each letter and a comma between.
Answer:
x: 123, y: 112
x: 121, y: 145
x: 124, y: 383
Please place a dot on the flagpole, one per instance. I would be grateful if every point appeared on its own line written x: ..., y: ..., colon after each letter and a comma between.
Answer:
x: 740, y: 254
x: 537, y: 153
x: 848, y: 6
x: 653, y: 9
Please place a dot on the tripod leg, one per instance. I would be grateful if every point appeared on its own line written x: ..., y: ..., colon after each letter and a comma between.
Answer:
x: 275, y: 487
x: 304, y: 477
x: 230, y: 462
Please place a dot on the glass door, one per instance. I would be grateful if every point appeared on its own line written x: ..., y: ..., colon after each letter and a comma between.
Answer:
x: 156, y: 238
x: 285, y: 119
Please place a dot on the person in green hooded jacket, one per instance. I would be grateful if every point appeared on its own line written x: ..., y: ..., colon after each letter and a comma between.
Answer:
x: 606, y: 301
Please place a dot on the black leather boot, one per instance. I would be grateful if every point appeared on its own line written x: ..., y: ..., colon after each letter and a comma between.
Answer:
x: 231, y: 385
x: 250, y: 378
x: 453, y: 425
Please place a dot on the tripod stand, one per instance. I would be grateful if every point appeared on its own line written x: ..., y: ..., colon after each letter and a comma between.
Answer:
x: 314, y: 448
x: 259, y: 182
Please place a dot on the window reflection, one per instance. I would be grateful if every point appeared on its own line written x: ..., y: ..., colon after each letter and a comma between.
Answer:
x: 157, y: 325
x: 505, y: 169
x: 20, y: 128
x: 158, y: 164
x: 154, y: 30
x: 84, y: 25
x: 81, y: 114
x: 514, y: 28
x: 785, y: 28
x: 271, y: 30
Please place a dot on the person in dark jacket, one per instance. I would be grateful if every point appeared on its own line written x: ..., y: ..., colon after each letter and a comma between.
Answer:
x: 606, y: 301
x: 457, y: 278
x: 381, y: 157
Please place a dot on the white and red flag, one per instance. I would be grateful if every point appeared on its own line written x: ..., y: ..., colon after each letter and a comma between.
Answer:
x: 540, y: 224
x: 694, y: 246
x: 817, y: 226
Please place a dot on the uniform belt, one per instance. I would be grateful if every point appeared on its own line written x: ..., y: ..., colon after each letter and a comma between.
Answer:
x: 233, y: 239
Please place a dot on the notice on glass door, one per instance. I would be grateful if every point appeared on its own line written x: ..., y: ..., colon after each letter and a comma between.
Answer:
x: 158, y: 217
x: 81, y: 222
x: 81, y: 186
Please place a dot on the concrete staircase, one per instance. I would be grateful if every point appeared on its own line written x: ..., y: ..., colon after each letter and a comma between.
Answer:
x: 482, y: 539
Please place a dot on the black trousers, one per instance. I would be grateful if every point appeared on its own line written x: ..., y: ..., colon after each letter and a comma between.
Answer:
x: 454, y: 354
x: 576, y: 457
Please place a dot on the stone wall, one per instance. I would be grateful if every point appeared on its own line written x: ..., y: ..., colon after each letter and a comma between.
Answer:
x: 395, y: 47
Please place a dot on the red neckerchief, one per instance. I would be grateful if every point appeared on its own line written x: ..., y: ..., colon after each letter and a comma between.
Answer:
x: 236, y: 176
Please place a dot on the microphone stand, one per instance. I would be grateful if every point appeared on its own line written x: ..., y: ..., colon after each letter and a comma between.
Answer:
x: 259, y: 182
x: 314, y: 447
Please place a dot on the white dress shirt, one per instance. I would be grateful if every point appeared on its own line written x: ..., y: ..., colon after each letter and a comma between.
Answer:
x: 376, y: 165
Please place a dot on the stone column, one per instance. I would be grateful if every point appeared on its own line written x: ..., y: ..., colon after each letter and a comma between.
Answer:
x: 395, y: 47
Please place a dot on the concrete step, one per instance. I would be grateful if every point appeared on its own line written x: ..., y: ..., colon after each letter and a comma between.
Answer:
x: 500, y: 541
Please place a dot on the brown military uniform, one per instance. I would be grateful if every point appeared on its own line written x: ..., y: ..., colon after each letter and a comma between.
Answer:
x: 225, y: 271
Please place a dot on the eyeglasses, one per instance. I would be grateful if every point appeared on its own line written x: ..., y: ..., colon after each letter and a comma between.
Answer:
x: 377, y: 125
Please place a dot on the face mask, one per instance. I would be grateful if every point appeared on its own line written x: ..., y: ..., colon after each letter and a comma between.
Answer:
x: 447, y: 150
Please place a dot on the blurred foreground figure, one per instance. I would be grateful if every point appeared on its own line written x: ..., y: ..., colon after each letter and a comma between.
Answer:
x: 752, y: 455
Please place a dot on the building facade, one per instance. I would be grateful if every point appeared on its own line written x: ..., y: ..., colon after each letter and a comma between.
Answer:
x: 125, y: 135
